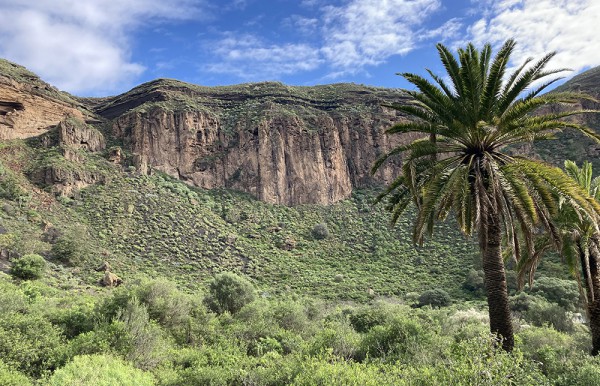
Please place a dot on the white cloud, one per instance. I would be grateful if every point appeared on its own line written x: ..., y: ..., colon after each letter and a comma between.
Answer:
x: 354, y: 35
x: 250, y: 58
x: 367, y: 32
x: 81, y: 46
x: 542, y: 26
x: 449, y: 30
x: 302, y: 25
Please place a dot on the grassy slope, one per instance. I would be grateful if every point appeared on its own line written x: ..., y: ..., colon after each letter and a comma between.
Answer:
x: 161, y: 227
x: 158, y: 227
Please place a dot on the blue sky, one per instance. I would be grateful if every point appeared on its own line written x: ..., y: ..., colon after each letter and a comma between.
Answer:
x: 104, y: 47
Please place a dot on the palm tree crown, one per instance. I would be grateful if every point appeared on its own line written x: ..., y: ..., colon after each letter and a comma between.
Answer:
x: 463, y: 163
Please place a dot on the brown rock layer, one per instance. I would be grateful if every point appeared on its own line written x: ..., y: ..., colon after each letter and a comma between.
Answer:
x: 77, y: 134
x: 24, y: 112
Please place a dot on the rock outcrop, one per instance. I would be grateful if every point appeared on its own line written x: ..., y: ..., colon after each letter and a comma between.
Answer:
x: 75, y: 134
x: 28, y: 106
x: 284, y: 145
x: 67, y: 169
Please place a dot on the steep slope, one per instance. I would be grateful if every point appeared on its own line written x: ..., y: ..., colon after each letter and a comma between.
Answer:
x: 159, y: 227
x: 282, y: 144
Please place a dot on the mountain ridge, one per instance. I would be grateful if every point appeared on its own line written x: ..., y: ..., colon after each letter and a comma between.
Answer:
x: 283, y: 144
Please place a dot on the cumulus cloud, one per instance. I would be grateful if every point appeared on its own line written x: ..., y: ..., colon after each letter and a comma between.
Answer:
x: 542, y: 26
x: 81, y: 46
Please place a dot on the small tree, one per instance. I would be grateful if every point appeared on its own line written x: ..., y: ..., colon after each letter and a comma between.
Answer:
x: 28, y: 267
x: 229, y: 292
x: 435, y: 298
x: 320, y: 231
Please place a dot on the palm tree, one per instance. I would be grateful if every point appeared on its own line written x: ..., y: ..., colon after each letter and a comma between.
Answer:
x: 463, y: 163
x: 580, y: 248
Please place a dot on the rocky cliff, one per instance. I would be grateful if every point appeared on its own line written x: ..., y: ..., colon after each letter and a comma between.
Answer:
x: 29, y: 106
x: 284, y: 145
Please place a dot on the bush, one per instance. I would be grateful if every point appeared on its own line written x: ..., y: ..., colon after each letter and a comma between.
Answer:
x: 9, y: 185
x: 585, y: 374
x: 145, y: 343
x: 165, y: 303
x: 474, y: 282
x: 553, y: 350
x: 336, y: 338
x: 66, y: 250
x: 562, y: 292
x: 228, y: 292
x: 538, y: 311
x: 10, y: 377
x: 435, y: 298
x: 364, y: 319
x: 320, y: 231
x: 99, y: 370
x: 392, y: 341
x: 30, y: 343
x: 28, y: 267
x: 291, y: 315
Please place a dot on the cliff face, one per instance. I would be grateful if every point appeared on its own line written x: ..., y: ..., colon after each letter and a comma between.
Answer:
x: 28, y: 106
x: 284, y: 145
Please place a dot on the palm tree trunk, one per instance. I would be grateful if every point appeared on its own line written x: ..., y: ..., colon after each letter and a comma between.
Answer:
x: 594, y: 297
x: 495, y: 283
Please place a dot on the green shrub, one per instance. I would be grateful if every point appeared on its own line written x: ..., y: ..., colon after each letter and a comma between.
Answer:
x: 435, y: 298
x: 100, y: 370
x: 223, y: 364
x: 165, y: 303
x: 393, y: 341
x: 10, y: 377
x: 320, y: 231
x: 31, y: 344
x: 145, y: 343
x: 551, y: 348
x: 562, y: 292
x: 12, y: 299
x: 474, y: 282
x: 368, y: 317
x: 9, y: 185
x: 74, y: 320
x: 105, y: 338
x: 228, y: 292
x: 291, y: 315
x: 538, y: 311
x: 66, y: 249
x: 582, y: 374
x: 335, y: 372
x: 338, y: 339
x: 28, y: 267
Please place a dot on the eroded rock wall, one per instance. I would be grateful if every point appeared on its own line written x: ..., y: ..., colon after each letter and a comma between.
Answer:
x: 280, y: 158
x: 25, y: 113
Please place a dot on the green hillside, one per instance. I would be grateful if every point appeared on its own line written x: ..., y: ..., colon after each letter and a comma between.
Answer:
x: 161, y: 228
x: 219, y: 288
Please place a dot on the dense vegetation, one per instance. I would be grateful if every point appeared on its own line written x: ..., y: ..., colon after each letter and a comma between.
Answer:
x: 149, y: 332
